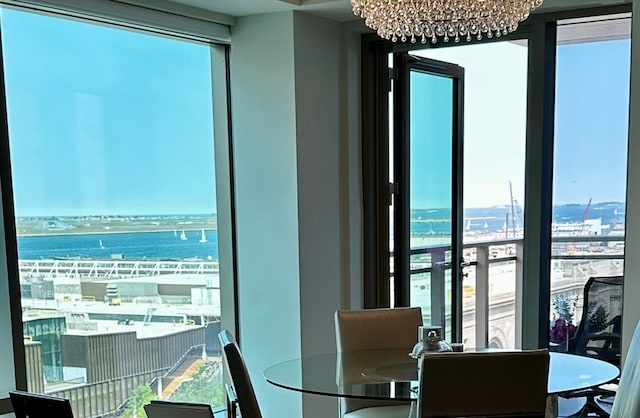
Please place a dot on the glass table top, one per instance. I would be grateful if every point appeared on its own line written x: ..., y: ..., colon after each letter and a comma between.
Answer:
x: 392, y: 374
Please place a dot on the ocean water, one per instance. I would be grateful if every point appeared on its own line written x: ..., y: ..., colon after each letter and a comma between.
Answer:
x: 168, y: 245
x: 436, y: 221
x: 138, y: 246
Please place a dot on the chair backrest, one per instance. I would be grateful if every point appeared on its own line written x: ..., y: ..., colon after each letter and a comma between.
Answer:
x: 373, y: 329
x: 246, y: 396
x: 599, y: 330
x: 377, y: 329
x: 483, y: 383
x: 627, y: 402
x: 164, y: 409
x: 35, y: 405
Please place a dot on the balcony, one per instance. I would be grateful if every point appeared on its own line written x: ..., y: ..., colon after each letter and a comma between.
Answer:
x: 492, y: 282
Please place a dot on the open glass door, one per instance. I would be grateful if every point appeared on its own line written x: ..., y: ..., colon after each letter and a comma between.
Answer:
x: 427, y: 185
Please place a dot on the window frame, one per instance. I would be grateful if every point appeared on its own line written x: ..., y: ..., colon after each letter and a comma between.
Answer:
x: 11, y: 250
x: 540, y: 31
x: 151, y: 22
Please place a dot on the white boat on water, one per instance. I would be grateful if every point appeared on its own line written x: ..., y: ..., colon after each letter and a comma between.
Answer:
x: 203, y: 237
x: 183, y: 236
x: 101, y: 245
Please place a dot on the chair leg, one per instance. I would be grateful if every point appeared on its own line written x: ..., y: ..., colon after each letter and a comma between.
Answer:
x: 551, y: 410
x: 232, y: 402
x: 592, y: 409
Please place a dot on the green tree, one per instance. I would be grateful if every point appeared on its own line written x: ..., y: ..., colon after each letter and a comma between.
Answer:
x: 205, y: 386
x: 141, y: 396
x: 565, y: 306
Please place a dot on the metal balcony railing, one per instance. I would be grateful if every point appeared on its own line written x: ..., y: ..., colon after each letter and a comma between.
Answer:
x: 574, y: 259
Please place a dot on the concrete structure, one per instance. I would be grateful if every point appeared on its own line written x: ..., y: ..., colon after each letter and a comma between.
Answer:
x: 168, y: 288
x: 33, y: 357
x: 111, y: 362
x: 39, y: 289
x: 46, y: 328
x: 200, y: 314
x: 102, y: 398
x: 113, y: 355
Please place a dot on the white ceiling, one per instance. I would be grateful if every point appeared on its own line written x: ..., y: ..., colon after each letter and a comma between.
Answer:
x: 337, y: 9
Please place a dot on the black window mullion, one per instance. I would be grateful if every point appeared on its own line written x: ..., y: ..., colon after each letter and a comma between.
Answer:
x: 375, y: 141
x: 457, y: 205
x: 11, y: 246
x: 402, y: 169
x: 538, y: 184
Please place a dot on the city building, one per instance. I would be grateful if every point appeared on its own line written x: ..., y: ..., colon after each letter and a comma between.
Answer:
x: 98, y: 367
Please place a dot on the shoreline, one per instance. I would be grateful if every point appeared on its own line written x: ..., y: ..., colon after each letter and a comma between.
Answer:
x: 109, y: 232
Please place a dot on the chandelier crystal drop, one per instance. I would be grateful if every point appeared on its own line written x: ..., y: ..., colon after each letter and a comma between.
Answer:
x: 425, y: 20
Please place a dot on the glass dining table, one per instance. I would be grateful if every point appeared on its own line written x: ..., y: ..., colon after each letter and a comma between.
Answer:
x: 392, y: 374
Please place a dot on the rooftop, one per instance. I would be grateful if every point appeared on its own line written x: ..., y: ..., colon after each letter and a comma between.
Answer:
x: 47, y: 308
x: 154, y: 329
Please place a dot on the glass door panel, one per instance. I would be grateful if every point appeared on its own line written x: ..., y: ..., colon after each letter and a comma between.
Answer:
x: 427, y: 169
x: 430, y: 180
x: 494, y: 148
x: 590, y: 166
x: 430, y: 175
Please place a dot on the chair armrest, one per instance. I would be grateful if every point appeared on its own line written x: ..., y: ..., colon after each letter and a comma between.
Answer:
x: 602, y: 336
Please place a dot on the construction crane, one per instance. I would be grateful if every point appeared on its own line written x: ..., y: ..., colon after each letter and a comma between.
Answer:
x: 587, y: 209
x: 516, y: 212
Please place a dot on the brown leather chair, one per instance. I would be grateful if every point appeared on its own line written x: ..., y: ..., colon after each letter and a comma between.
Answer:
x: 375, y: 329
x: 240, y: 393
x: 483, y: 384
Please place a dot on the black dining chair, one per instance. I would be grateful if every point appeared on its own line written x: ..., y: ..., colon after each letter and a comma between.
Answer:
x: 166, y: 409
x: 598, y: 335
x: 475, y: 384
x: 600, y: 327
x: 626, y: 402
x: 240, y: 394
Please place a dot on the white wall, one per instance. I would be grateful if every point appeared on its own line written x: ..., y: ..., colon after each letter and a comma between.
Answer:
x: 317, y: 43
x: 351, y: 160
x: 317, y: 50
x: 631, y: 310
x: 264, y: 135
x: 297, y: 193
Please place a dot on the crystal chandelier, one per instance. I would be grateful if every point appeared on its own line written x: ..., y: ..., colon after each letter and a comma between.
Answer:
x: 432, y: 19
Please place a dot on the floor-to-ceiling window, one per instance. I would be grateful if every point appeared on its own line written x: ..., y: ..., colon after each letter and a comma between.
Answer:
x: 492, y: 188
x: 586, y: 77
x: 590, y: 165
x: 114, y: 169
x: 493, y: 191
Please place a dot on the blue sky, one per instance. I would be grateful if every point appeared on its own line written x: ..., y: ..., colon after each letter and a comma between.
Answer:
x: 431, y: 104
x: 495, y: 83
x: 106, y: 121
x: 591, y: 121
